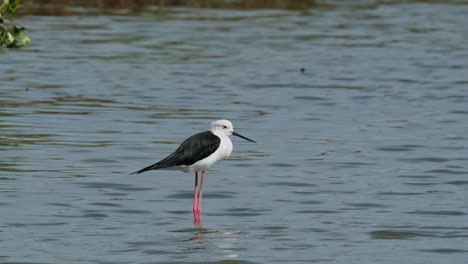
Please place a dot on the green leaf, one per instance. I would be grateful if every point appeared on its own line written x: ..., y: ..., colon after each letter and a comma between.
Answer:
x: 26, y: 40
x: 16, y: 31
x: 11, y: 36
x: 13, y: 6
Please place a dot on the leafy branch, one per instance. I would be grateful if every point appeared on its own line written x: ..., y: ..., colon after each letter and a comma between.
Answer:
x: 11, y: 36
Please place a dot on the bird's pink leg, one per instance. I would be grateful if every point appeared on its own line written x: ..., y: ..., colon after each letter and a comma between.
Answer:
x: 200, y: 192
x: 195, y: 196
x: 196, y: 208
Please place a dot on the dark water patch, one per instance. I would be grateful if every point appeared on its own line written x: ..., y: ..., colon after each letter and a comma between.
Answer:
x: 238, y: 210
x: 204, y: 231
x: 94, y: 215
x: 394, y: 234
x: 224, y: 195
x: 38, y: 224
x: 448, y: 231
x: 243, y: 158
x: 200, y: 247
x: 454, y: 167
x: 362, y: 97
x: 353, y: 164
x: 85, y: 215
x: 80, y: 99
x: 357, y: 164
x: 282, y: 165
x: 426, y: 159
x: 108, y: 131
x: 408, y: 81
x: 283, y: 201
x: 439, y: 227
x: 454, y: 235
x: 414, y: 146
x: 278, y: 85
x: 343, y: 87
x: 225, y: 261
x: 313, y: 119
x: 455, y: 138
x: 187, y: 230
x: 16, y: 140
x: 323, y: 191
x: 243, y: 165
x: 177, y: 212
x: 79, y: 113
x: 112, y: 262
x: 318, y: 212
x: 445, y: 250
x: 397, y: 148
x: 61, y: 204
x: 444, y: 171
x: 120, y: 251
x: 16, y: 224
x: 114, y: 186
x: 99, y: 161
x: 8, y: 179
x: 274, y: 228
x: 128, y: 211
x: 100, y: 234
x: 309, y: 37
x: 430, y: 192
x: 115, y: 194
x: 306, y: 260
x: 315, y: 230
x: 417, y: 176
x: 367, y: 205
x: 421, y: 183
x: 243, y: 214
x: 312, y: 98
x: 447, y: 122
x: 290, y: 184
x: 310, y: 202
x: 23, y: 262
x: 460, y: 112
x: 400, y: 193
x: 446, y: 213
x: 81, y: 150
x: 157, y: 252
x: 459, y: 182
x: 166, y: 223
x: 181, y: 195
x: 189, y: 195
x: 145, y: 243
x: 305, y: 86
x: 456, y: 147
x: 48, y: 224
x: 106, y: 204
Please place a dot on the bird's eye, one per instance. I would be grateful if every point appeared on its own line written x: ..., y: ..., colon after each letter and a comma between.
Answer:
x: 224, y: 127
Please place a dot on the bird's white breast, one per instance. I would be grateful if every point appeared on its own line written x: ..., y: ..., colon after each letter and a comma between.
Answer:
x: 223, y: 151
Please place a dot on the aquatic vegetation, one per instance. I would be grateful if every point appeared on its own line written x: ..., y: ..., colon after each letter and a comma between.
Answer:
x: 11, y: 36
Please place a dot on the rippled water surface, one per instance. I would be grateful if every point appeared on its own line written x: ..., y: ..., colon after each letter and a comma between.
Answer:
x: 360, y: 114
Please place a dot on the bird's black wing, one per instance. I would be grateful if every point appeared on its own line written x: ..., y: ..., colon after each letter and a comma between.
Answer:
x: 193, y: 149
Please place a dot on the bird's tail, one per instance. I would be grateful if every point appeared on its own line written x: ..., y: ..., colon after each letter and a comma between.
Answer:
x: 151, y: 167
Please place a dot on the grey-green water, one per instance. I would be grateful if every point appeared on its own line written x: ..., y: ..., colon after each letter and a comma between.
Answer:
x: 361, y: 156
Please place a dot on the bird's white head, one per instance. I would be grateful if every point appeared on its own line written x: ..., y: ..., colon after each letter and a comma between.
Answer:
x: 225, y: 127
x: 222, y: 126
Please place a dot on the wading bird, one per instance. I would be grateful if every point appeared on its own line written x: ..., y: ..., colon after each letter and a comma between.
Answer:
x: 197, y: 154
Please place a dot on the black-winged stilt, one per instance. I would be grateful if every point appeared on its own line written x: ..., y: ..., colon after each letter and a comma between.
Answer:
x: 197, y: 154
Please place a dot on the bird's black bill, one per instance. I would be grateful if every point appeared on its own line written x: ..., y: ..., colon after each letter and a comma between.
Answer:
x: 238, y: 135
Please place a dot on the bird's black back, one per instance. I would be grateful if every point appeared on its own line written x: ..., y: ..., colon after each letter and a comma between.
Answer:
x: 193, y: 149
